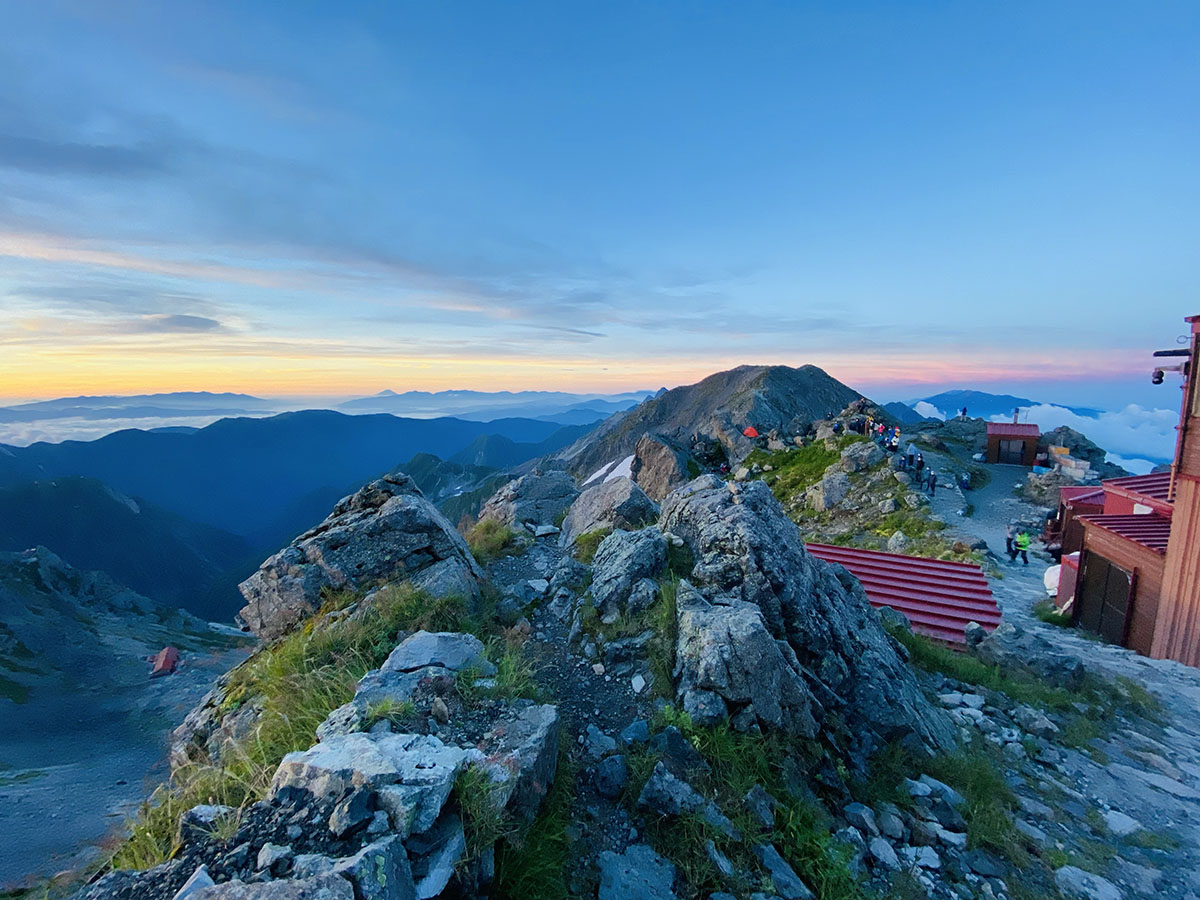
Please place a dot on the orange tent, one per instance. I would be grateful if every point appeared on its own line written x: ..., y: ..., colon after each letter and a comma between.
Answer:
x: 750, y: 432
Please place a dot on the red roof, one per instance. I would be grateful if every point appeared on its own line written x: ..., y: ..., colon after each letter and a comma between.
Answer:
x: 1150, y: 530
x: 938, y: 597
x: 1156, y: 486
x: 1082, y: 493
x: 1008, y: 429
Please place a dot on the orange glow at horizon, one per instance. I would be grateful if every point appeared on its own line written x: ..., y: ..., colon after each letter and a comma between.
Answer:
x: 28, y: 373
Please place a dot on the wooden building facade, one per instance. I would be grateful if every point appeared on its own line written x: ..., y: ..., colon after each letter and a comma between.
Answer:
x: 1138, y: 572
x: 1178, y: 633
x: 1012, y: 444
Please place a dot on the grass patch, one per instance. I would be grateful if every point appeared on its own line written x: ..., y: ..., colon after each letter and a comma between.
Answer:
x: 978, y: 774
x: 915, y: 524
x: 489, y: 540
x: 1051, y: 615
x: 738, y: 762
x: 588, y: 543
x: 395, y: 712
x: 1148, y: 839
x: 793, y: 471
x: 516, y: 672
x: 532, y: 863
x: 484, y: 821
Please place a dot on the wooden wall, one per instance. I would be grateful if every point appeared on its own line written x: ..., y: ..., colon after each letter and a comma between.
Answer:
x: 1147, y: 569
x: 1179, y: 629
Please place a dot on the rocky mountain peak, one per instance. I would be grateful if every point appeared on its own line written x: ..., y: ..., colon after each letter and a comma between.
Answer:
x: 384, y: 532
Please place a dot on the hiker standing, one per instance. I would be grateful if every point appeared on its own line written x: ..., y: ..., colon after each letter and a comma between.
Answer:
x: 932, y: 482
x: 1009, y: 534
x: 1022, y: 546
x: 964, y: 412
x: 920, y: 468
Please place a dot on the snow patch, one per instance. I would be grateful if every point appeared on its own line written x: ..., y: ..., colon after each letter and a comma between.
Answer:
x: 623, y: 469
x: 599, y: 473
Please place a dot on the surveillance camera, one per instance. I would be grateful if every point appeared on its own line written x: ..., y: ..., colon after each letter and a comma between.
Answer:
x: 1157, y: 377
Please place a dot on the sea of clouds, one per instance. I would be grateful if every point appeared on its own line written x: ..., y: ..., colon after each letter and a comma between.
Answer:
x: 1135, y: 437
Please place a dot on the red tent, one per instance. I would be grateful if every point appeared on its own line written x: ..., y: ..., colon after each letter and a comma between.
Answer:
x: 164, y: 662
x: 750, y: 432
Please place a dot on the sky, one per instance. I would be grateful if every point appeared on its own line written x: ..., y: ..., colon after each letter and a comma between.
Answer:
x: 312, y: 198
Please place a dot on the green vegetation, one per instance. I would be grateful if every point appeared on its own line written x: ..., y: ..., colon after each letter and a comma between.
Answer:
x: 661, y: 649
x: 793, y: 471
x: 588, y: 543
x: 399, y: 713
x: 531, y: 863
x: 516, y: 673
x: 484, y: 820
x: 297, y: 681
x: 1154, y: 840
x: 489, y: 540
x: 1049, y: 613
x: 1084, y: 715
x: 978, y: 774
x: 738, y: 762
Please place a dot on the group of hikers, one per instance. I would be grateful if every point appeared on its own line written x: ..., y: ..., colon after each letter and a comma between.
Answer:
x: 1016, y: 542
x: 911, y: 461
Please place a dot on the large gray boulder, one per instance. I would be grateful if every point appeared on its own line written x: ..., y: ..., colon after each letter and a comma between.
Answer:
x: 659, y: 466
x: 618, y: 503
x: 535, y: 499
x: 448, y: 649
x: 384, y: 532
x: 828, y: 492
x: 623, y: 561
x: 379, y: 871
x: 725, y: 649
x: 332, y: 768
x: 747, y: 549
x: 1014, y: 649
x: 522, y: 756
x: 861, y: 456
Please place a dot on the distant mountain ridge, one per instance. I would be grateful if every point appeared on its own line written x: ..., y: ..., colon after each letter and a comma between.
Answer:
x: 154, y: 552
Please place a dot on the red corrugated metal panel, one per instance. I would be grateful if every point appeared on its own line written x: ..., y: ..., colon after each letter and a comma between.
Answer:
x: 938, y: 597
x: 1008, y: 429
x: 1150, y: 530
x: 1084, y: 493
x: 1156, y: 486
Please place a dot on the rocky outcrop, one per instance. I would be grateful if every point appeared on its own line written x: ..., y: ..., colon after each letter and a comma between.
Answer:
x: 1012, y: 648
x: 828, y: 492
x: 618, y: 503
x: 623, y: 572
x: 747, y: 550
x: 371, y: 814
x: 535, y: 499
x: 860, y: 456
x: 659, y: 466
x: 384, y: 532
x: 726, y: 661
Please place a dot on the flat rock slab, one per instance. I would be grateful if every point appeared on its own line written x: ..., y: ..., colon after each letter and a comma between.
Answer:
x: 323, y: 887
x: 637, y: 874
x: 448, y: 649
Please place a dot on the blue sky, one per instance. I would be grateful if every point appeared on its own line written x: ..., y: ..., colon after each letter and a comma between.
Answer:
x: 307, y: 198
